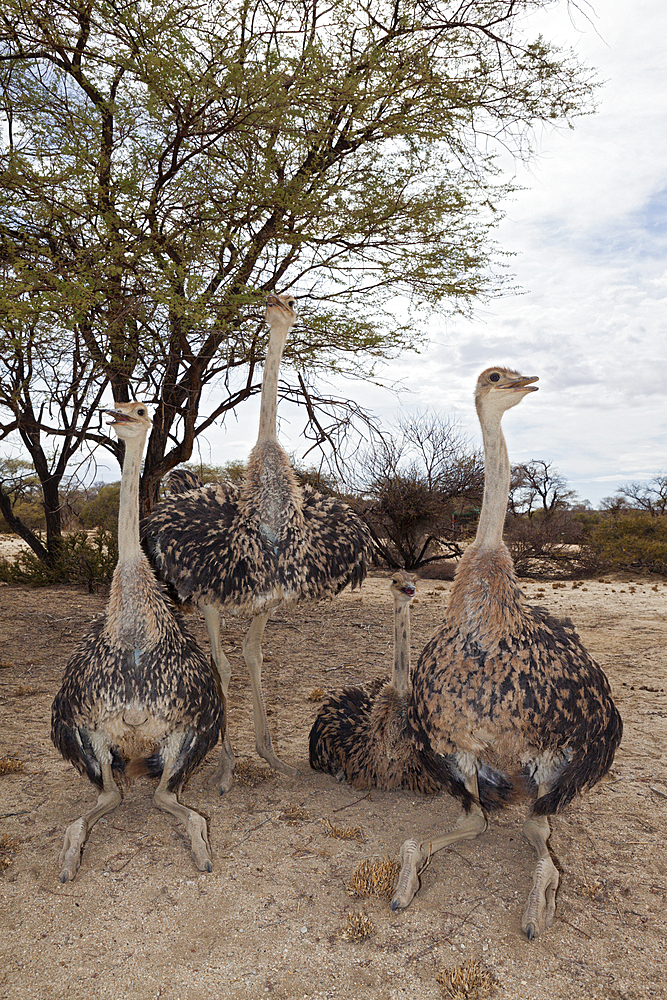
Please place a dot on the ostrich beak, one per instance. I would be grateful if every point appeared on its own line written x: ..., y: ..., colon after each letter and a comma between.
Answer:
x: 273, y: 300
x: 118, y: 417
x: 523, y: 384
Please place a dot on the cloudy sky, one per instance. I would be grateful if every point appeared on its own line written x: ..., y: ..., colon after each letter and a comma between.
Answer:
x: 590, y: 237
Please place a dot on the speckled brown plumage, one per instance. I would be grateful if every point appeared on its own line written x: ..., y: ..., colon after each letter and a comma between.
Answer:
x: 505, y: 697
x: 360, y: 734
x: 213, y: 546
x: 150, y: 669
x: 138, y: 695
x: 515, y: 688
x: 255, y: 546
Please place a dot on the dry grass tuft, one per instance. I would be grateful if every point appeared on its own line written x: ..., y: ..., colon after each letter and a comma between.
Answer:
x: 249, y: 775
x: 342, y: 832
x: 471, y: 981
x: 294, y: 815
x: 9, y: 765
x: 25, y: 690
x: 8, y: 848
x: 316, y: 694
x: 359, y: 926
x: 374, y: 878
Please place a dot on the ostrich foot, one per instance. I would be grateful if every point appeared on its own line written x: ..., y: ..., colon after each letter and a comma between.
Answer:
x: 540, y: 909
x: 414, y: 854
x: 76, y: 833
x: 70, y: 856
x: 408, y: 881
x: 199, y: 844
x: 223, y: 776
x: 276, y: 763
x: 195, y: 825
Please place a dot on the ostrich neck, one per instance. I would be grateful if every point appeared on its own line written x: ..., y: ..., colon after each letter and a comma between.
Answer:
x: 129, y: 549
x: 135, y: 613
x: 496, y: 487
x: 269, y: 404
x: 401, y: 671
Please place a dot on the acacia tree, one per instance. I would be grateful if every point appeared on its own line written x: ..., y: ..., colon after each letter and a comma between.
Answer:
x: 164, y: 165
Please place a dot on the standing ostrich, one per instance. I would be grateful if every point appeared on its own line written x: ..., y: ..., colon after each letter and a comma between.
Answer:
x: 502, y: 687
x: 252, y: 547
x: 137, y: 687
x: 359, y: 734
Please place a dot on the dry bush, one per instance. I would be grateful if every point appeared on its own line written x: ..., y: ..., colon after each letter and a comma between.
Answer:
x: 374, y: 878
x: 10, y: 765
x: 358, y: 927
x: 342, y: 832
x: 470, y: 981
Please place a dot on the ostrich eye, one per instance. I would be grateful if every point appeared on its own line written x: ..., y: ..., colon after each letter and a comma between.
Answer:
x: 494, y: 377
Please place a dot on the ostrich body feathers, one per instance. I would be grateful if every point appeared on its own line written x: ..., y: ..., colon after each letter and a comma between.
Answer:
x: 511, y: 688
x: 243, y: 546
x: 137, y: 679
x: 360, y: 736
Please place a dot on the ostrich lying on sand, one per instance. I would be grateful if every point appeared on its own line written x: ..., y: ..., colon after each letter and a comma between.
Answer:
x: 359, y: 734
x: 256, y: 546
x: 137, y: 687
x: 504, y: 689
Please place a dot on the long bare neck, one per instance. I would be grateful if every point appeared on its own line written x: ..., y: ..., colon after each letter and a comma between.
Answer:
x: 129, y: 549
x: 136, y: 613
x: 269, y: 403
x: 486, y: 601
x: 496, y: 486
x: 400, y: 677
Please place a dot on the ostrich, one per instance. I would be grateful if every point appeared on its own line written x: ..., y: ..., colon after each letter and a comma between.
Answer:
x: 504, y: 688
x: 358, y: 735
x: 255, y: 546
x: 137, y: 686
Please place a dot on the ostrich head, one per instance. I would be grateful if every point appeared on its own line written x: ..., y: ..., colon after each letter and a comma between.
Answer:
x: 498, y: 389
x: 281, y: 312
x: 403, y: 586
x: 130, y: 420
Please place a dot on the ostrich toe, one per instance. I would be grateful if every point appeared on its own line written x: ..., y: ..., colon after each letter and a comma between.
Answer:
x: 223, y: 776
x: 201, y: 852
x: 540, y: 909
x: 408, y: 881
x: 70, y: 856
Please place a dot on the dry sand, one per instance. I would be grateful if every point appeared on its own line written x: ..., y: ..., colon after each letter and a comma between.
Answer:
x: 141, y: 922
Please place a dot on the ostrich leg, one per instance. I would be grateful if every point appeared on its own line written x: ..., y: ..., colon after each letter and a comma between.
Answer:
x: 540, y: 909
x: 223, y: 776
x: 76, y: 833
x: 414, y: 853
x: 252, y: 654
x: 195, y: 825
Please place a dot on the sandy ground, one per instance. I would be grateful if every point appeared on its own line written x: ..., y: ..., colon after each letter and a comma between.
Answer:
x: 141, y: 922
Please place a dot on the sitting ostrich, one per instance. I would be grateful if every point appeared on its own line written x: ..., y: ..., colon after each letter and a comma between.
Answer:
x: 359, y: 734
x: 252, y: 547
x: 504, y: 688
x: 137, y: 686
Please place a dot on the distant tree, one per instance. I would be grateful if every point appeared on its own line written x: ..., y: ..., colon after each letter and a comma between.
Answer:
x: 544, y: 526
x: 537, y: 486
x: 631, y: 540
x: 20, y: 496
x: 650, y: 496
x: 101, y: 507
x: 162, y: 166
x: 417, y: 481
